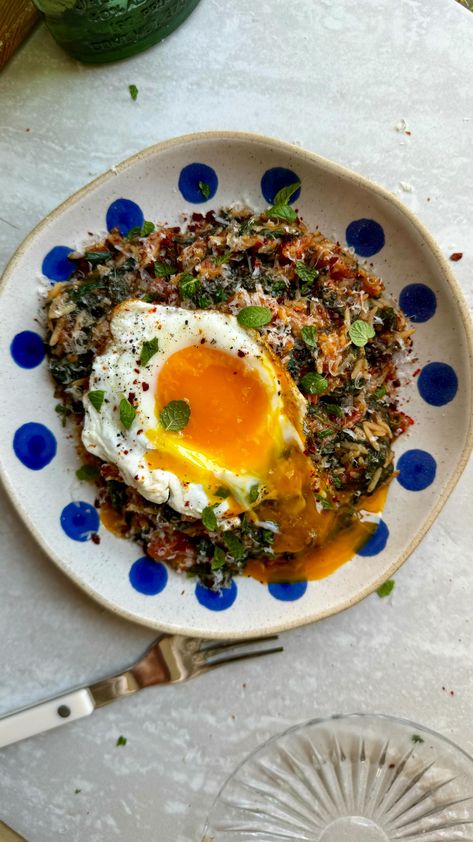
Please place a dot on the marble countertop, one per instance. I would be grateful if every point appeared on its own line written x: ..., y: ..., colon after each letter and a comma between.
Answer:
x: 336, y: 78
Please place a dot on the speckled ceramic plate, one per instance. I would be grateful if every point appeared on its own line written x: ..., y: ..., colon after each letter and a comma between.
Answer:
x: 38, y: 460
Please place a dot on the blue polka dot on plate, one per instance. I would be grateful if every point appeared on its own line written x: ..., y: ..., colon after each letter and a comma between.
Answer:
x: 79, y: 520
x: 437, y: 384
x: 417, y: 470
x: 56, y: 264
x: 419, y: 302
x: 34, y: 445
x: 198, y: 183
x: 275, y: 179
x: 376, y: 542
x: 147, y: 576
x: 216, y: 600
x: 124, y: 214
x: 365, y: 236
x: 287, y: 591
x: 27, y: 349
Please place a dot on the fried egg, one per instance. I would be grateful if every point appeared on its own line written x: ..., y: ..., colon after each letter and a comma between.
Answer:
x: 246, y: 414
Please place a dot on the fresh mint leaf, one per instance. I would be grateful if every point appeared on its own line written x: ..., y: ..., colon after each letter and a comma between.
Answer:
x: 386, y: 588
x: 218, y: 559
x: 122, y: 741
x: 134, y: 232
x: 163, y: 270
x: 322, y: 434
x: 379, y: 392
x: 63, y: 411
x: 313, y: 383
x: 133, y: 92
x: 282, y: 212
x: 283, y: 196
x: 307, y: 274
x: 234, y: 546
x: 254, y: 493
x: 209, y: 519
x: 360, y: 332
x: 188, y: 285
x: 96, y: 398
x: 87, y: 472
x: 175, y: 416
x: 148, y: 350
x: 333, y: 409
x: 141, y: 230
x: 254, y: 316
x: 204, y: 189
x: 278, y: 287
x: 127, y: 413
x: 96, y: 257
x: 309, y: 336
x: 416, y: 738
x: 280, y: 208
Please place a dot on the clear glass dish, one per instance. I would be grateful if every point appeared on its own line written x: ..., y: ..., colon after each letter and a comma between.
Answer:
x: 356, y: 778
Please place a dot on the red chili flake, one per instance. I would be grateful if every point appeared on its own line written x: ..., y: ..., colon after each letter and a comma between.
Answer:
x: 138, y: 433
x: 136, y: 477
x: 131, y: 397
x: 457, y: 255
x: 126, y: 452
x: 136, y: 370
x: 416, y: 372
x: 242, y: 353
x: 409, y: 133
x: 203, y: 341
x: 95, y: 538
x: 145, y: 387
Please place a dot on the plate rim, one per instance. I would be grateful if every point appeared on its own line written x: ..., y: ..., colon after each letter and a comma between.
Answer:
x: 333, y: 168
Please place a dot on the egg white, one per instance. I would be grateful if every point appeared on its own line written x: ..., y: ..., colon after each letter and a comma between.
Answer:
x: 118, y: 372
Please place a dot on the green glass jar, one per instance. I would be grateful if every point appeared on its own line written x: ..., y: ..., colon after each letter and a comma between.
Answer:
x: 107, y: 30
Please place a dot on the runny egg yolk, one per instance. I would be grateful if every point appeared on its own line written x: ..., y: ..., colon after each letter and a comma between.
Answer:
x: 230, y: 406
x: 234, y: 424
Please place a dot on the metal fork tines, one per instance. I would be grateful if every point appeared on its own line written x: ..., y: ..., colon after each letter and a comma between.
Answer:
x: 170, y: 659
x: 174, y: 658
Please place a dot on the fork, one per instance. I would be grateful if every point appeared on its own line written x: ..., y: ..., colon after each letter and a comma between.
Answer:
x: 170, y: 659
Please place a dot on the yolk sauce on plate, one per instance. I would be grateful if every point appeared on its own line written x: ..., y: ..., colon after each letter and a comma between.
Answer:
x: 335, y: 545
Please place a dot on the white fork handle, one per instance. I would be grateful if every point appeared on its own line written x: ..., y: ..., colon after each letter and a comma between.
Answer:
x: 33, y: 720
